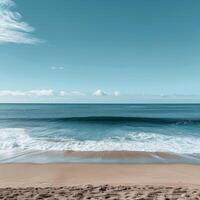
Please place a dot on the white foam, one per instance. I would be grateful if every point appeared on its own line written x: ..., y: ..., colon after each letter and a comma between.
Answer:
x: 12, y: 138
x: 17, y: 139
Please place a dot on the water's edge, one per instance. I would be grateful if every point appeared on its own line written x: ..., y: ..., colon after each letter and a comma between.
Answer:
x: 136, y: 157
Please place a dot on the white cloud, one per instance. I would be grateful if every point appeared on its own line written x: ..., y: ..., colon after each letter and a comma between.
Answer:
x: 41, y: 92
x: 72, y: 93
x: 50, y: 92
x: 77, y: 93
x: 12, y: 28
x: 102, y: 93
x: 99, y: 93
x: 12, y: 93
x: 62, y: 93
x: 16, y: 93
x: 116, y: 93
x: 57, y: 68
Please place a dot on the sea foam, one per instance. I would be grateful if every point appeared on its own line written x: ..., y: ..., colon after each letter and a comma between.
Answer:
x: 19, y: 140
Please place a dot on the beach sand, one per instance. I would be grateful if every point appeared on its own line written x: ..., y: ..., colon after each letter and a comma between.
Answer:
x: 99, y: 181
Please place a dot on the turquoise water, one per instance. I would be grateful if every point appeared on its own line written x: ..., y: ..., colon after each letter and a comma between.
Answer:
x: 99, y: 127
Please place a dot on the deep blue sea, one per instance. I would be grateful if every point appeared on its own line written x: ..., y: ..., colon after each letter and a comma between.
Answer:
x: 99, y: 127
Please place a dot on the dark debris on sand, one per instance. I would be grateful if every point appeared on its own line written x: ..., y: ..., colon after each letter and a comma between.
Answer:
x: 101, y: 192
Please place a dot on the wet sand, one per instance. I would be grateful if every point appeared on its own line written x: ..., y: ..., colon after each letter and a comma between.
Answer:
x: 122, y: 155
x: 125, y: 181
x: 101, y: 157
x: 117, y: 154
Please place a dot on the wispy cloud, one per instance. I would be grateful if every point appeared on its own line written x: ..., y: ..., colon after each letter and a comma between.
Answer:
x: 12, y: 28
x: 41, y: 92
x: 50, y: 95
x: 57, y: 68
x: 11, y: 93
x: 15, y: 93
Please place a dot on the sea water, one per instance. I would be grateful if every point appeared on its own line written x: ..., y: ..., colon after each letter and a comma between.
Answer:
x: 173, y: 128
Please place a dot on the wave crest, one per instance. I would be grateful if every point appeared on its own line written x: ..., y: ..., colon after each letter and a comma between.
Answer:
x: 113, y: 119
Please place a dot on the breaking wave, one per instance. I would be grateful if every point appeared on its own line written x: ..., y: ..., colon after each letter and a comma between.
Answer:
x: 18, y: 139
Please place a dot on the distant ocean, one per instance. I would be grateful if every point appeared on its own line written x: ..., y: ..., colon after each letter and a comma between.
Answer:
x: 29, y: 128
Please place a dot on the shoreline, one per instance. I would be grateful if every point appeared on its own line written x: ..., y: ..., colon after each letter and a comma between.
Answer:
x: 58, y: 175
x: 117, y: 157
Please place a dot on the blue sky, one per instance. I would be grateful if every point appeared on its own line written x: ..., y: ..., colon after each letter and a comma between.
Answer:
x: 99, y: 51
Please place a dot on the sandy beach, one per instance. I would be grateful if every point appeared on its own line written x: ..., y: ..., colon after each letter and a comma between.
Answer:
x: 99, y: 181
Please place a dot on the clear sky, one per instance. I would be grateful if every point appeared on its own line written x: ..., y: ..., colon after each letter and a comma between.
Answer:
x: 99, y: 51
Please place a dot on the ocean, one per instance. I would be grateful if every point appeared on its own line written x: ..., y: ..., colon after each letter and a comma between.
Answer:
x: 34, y: 132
